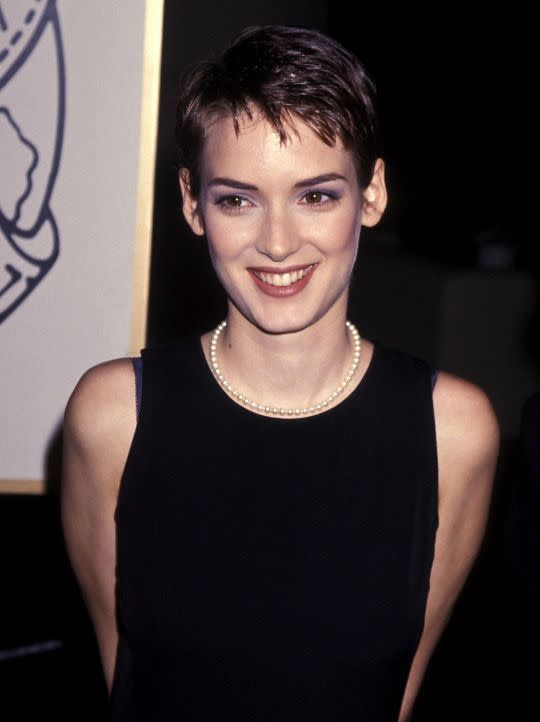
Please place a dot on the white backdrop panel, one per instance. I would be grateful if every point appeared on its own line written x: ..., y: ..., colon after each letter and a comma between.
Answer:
x: 68, y: 206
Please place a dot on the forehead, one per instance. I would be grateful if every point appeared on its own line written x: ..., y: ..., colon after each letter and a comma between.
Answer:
x: 257, y: 150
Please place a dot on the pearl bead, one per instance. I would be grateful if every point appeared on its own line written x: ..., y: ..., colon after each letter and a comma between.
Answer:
x: 356, y: 342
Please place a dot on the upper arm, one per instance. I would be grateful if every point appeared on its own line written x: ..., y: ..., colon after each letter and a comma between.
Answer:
x: 467, y: 448
x: 99, y: 423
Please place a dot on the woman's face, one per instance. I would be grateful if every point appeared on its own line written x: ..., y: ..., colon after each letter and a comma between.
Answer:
x: 282, y: 221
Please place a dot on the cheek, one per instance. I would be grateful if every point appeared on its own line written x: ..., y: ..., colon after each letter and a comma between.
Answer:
x: 339, y: 234
x: 227, y: 238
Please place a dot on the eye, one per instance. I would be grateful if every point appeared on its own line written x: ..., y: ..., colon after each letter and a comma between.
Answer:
x: 313, y: 197
x: 233, y: 203
x: 318, y: 198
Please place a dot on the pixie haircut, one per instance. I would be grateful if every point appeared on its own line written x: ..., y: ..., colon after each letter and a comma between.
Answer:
x: 284, y: 73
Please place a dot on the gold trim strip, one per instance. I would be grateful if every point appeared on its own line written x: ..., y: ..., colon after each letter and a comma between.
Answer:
x: 153, y: 31
x: 23, y: 486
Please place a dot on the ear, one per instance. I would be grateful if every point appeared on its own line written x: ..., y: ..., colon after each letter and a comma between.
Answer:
x: 190, y: 204
x: 375, y: 196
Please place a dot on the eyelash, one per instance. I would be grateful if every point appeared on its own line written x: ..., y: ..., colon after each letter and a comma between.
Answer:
x: 223, y: 201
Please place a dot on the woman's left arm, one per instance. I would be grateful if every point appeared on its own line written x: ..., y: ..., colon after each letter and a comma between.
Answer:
x: 467, y: 449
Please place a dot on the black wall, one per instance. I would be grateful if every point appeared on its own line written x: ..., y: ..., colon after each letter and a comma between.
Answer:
x: 456, y: 91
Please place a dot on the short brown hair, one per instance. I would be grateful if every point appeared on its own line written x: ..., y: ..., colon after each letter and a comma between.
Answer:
x: 285, y: 72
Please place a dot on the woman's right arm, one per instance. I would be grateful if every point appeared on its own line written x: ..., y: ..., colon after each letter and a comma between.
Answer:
x: 99, y: 423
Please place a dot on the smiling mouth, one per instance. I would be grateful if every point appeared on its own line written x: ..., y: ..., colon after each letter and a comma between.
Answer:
x: 282, y: 285
x: 281, y: 280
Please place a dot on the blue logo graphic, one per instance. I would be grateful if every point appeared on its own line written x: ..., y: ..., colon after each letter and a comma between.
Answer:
x: 32, y: 112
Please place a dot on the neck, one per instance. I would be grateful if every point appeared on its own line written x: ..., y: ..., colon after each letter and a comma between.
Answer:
x: 286, y: 370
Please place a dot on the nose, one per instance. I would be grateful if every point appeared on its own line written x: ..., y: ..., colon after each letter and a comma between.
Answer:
x: 279, y: 238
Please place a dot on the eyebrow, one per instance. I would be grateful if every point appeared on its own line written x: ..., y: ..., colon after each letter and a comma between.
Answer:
x: 304, y: 183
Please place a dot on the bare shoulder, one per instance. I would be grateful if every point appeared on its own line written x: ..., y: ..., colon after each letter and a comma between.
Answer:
x: 467, y: 448
x: 104, y: 388
x: 467, y: 430
x: 99, y: 423
x: 100, y: 418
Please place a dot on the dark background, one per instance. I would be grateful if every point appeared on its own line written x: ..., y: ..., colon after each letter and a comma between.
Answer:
x: 456, y: 94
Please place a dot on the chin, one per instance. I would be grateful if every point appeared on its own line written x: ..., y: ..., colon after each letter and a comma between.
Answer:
x: 288, y: 316
x: 283, y: 323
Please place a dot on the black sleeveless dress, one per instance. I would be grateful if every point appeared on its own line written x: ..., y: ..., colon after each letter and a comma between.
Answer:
x: 273, y: 570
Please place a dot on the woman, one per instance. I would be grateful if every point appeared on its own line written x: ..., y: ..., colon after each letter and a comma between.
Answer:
x: 290, y: 492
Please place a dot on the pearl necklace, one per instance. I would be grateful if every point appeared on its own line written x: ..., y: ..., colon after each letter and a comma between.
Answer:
x: 355, y: 338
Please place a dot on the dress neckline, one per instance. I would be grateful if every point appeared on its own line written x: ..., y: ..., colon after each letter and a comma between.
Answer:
x: 223, y: 399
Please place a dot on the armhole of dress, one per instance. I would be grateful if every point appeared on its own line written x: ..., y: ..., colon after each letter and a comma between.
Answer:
x: 434, y: 376
x: 137, y: 369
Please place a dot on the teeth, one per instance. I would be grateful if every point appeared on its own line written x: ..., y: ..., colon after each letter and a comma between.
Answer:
x: 283, y: 279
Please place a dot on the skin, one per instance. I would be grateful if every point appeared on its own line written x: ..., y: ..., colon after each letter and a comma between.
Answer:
x: 291, y: 351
